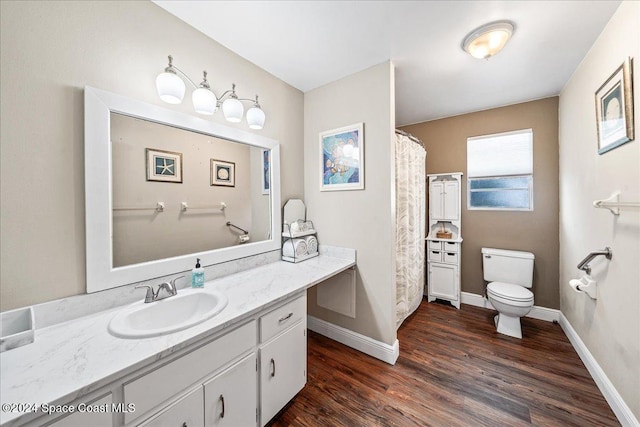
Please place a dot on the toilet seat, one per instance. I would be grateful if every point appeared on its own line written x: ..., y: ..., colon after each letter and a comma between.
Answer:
x: 508, y: 292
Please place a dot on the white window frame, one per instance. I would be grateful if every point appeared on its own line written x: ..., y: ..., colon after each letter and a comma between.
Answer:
x: 529, y: 186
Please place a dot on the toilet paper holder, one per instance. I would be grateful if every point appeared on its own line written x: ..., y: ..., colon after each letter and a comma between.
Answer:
x: 585, y: 284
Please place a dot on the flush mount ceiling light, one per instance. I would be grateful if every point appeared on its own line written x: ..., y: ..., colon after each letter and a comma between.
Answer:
x: 486, y: 41
x: 171, y: 89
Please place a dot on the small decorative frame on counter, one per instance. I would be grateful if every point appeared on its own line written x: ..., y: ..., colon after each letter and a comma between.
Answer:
x: 614, y: 109
x: 164, y: 166
x: 223, y: 173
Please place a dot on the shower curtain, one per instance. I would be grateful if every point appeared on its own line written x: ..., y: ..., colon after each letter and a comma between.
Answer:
x: 410, y: 225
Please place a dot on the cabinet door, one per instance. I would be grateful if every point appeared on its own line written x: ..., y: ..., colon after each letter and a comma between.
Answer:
x: 436, y: 190
x: 451, y: 200
x: 231, y: 397
x: 443, y: 281
x: 283, y: 370
x: 186, y: 412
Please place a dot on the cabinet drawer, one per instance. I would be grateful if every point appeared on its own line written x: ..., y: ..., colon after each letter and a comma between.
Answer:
x: 83, y: 419
x: 450, y: 246
x: 435, y: 256
x: 435, y: 246
x: 450, y: 257
x: 157, y: 386
x: 280, y: 319
x: 185, y: 412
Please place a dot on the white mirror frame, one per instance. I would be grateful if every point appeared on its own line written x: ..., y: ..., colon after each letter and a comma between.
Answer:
x: 101, y: 275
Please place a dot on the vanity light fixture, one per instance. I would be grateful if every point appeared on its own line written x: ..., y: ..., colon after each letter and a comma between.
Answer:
x: 171, y: 89
x: 488, y: 40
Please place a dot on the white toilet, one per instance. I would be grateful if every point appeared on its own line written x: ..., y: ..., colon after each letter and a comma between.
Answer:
x: 510, y: 273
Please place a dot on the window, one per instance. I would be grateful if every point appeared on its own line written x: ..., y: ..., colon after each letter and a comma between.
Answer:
x: 500, y: 171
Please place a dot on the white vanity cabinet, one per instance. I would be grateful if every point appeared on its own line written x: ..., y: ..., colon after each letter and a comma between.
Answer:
x: 156, y: 390
x: 238, y: 377
x: 283, y: 356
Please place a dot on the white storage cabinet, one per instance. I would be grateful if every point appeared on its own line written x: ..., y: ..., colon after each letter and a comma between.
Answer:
x: 444, y: 255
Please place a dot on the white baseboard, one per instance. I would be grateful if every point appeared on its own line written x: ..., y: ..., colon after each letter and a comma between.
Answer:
x: 541, y: 313
x: 615, y: 401
x: 382, y: 351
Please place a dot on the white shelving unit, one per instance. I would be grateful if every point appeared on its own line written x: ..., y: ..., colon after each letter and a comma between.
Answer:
x: 296, y: 226
x: 444, y: 241
x: 286, y: 235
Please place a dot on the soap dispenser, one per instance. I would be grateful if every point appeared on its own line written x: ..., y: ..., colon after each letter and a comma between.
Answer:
x: 197, y: 276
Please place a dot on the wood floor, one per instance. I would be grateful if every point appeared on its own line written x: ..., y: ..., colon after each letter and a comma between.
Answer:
x: 453, y: 370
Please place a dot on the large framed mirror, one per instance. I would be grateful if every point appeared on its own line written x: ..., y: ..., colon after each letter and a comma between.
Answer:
x: 163, y: 188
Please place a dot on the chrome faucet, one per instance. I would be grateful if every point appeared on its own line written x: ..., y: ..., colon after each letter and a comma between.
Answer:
x: 169, y: 289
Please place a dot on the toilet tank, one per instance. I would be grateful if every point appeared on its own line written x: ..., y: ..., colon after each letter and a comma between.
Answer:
x: 501, y: 265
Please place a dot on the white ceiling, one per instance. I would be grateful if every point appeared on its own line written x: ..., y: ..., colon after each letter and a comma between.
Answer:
x: 310, y: 43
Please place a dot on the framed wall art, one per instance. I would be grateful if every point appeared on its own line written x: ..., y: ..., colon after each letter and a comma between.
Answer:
x: 223, y: 173
x: 614, y: 109
x: 342, y: 158
x: 164, y: 166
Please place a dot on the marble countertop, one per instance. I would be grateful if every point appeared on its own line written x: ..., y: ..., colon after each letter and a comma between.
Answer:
x: 73, y: 358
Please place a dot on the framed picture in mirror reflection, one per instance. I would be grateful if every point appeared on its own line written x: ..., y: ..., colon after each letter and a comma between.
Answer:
x: 223, y: 173
x: 164, y: 166
x: 266, y: 171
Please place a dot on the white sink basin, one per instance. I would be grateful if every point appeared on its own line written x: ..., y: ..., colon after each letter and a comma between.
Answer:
x: 182, y: 311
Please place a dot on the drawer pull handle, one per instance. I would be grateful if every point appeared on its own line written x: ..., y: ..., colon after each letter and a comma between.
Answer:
x: 222, y: 401
x: 450, y: 254
x: 287, y: 317
x: 273, y: 368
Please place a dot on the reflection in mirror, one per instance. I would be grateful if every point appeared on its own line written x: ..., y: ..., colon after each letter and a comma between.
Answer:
x: 160, y: 161
x: 220, y: 181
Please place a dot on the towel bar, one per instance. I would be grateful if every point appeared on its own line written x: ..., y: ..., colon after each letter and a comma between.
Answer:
x: 613, y: 204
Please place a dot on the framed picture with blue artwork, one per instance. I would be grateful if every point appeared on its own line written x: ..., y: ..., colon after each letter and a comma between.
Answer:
x: 164, y: 166
x: 223, y: 173
x: 342, y: 157
x: 266, y: 171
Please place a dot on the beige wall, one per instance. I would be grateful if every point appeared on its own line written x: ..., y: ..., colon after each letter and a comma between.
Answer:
x: 48, y: 52
x: 535, y: 231
x: 609, y: 325
x: 361, y: 219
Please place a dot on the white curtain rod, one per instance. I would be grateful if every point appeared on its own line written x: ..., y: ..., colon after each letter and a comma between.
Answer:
x: 411, y: 137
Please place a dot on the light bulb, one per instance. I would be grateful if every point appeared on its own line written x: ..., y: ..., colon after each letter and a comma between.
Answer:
x: 170, y: 87
x: 204, y: 101
x: 255, y: 118
x: 233, y: 110
x: 488, y: 40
